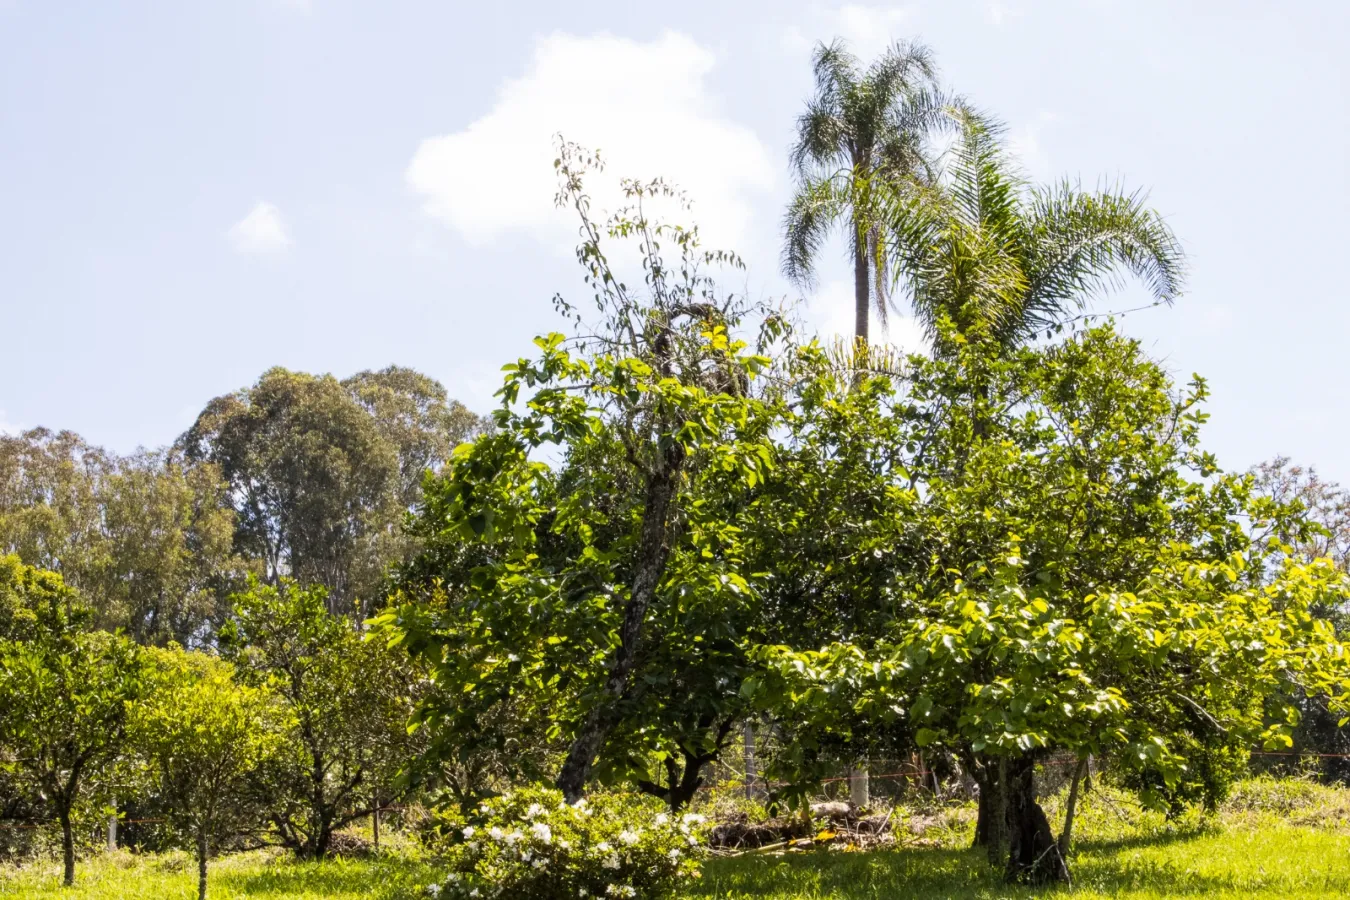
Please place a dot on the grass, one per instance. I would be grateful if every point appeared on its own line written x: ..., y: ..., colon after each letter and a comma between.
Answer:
x: 1285, y: 839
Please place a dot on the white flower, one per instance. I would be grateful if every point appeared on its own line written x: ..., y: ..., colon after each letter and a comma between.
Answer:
x: 534, y: 810
x: 602, y: 847
x: 566, y: 845
x: 693, y: 819
x: 662, y: 819
x: 452, y: 878
x: 628, y: 837
x: 583, y: 893
x: 512, y: 836
x: 621, y: 890
x: 674, y: 853
x: 434, y: 890
x: 612, y: 862
x: 540, y: 863
x: 495, y: 833
x: 473, y: 893
x: 469, y: 831
x: 543, y: 832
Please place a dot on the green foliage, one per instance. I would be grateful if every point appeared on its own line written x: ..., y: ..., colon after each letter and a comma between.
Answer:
x: 203, y: 736
x: 994, y: 258
x: 65, y: 694
x: 321, y: 472
x: 603, y: 601
x: 346, y: 701
x: 145, y: 538
x: 1063, y: 583
x: 532, y: 844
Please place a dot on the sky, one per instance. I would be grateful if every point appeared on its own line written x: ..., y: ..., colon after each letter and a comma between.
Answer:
x: 193, y: 192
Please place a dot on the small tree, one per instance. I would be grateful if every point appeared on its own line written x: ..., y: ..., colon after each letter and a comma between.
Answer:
x: 64, y: 691
x: 203, y: 736
x: 606, y: 593
x: 347, y: 701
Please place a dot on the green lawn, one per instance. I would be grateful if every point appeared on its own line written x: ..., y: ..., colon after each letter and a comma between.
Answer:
x: 1273, y: 839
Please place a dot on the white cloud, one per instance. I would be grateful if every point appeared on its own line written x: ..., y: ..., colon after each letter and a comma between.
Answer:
x: 261, y: 231
x: 996, y: 12
x: 647, y: 108
x: 871, y: 29
x: 8, y: 427
x: 868, y: 30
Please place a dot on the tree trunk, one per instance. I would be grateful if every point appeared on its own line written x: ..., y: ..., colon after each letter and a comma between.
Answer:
x: 862, y: 284
x: 375, y: 823
x: 1033, y: 853
x: 201, y: 865
x: 652, y: 554
x: 112, y: 828
x: 1066, y: 836
x: 67, y: 847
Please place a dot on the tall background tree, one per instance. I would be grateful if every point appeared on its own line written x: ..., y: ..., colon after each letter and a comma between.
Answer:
x: 864, y: 131
x: 146, y: 538
x: 321, y: 472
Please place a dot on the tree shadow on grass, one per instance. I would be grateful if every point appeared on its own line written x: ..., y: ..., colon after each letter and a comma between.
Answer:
x: 1162, y: 838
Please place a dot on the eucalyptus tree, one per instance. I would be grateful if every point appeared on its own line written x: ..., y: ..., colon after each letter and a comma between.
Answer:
x: 1002, y: 259
x: 865, y: 133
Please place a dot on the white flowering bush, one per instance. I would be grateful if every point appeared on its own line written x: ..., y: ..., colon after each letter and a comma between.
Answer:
x: 532, y: 844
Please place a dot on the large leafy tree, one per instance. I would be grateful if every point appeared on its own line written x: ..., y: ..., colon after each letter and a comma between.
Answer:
x: 1004, y: 260
x: 145, y: 538
x: 321, y: 472
x: 64, y: 692
x: 1074, y: 575
x: 864, y: 133
x: 346, y: 699
x: 603, y: 592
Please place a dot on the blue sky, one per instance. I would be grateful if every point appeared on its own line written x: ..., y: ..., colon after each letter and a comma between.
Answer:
x: 195, y: 191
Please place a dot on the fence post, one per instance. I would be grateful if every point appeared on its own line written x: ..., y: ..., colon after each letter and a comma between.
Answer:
x: 859, y: 786
x: 112, y: 827
x: 751, y: 770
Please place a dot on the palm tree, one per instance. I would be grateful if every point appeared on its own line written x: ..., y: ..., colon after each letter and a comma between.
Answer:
x: 864, y: 131
x: 1000, y: 259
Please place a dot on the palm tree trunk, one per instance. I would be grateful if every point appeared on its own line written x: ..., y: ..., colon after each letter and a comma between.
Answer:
x: 862, y: 293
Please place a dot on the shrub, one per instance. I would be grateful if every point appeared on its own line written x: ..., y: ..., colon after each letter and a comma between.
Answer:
x: 532, y: 844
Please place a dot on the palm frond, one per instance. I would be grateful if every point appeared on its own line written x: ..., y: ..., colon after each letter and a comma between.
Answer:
x: 1082, y: 244
x: 822, y: 138
x: 982, y: 178
x: 835, y: 69
x: 819, y: 205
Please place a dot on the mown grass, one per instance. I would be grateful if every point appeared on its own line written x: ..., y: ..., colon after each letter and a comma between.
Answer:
x: 1273, y: 839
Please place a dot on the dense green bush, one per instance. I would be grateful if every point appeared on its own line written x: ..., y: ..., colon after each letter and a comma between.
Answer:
x: 532, y: 844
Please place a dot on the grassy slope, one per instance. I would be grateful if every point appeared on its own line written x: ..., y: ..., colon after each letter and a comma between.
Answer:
x: 1285, y: 840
